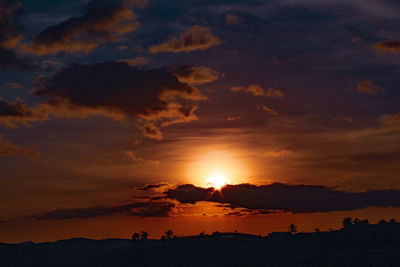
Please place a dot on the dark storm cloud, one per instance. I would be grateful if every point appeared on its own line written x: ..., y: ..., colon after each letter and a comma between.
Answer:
x: 140, y: 209
x: 392, y: 46
x: 289, y: 198
x: 9, y: 149
x: 195, y: 38
x: 10, y: 33
x: 101, y: 23
x: 119, y: 90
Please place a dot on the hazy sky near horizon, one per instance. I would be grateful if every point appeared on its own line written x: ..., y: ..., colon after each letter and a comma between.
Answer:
x: 108, y: 107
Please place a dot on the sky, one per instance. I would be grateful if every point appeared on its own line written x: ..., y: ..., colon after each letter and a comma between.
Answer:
x: 131, y: 115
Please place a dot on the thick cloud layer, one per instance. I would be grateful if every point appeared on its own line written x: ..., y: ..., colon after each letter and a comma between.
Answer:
x: 10, y: 30
x: 196, y: 38
x: 392, y: 46
x: 117, y: 89
x: 9, y: 149
x: 290, y: 198
x: 140, y: 209
x: 101, y: 23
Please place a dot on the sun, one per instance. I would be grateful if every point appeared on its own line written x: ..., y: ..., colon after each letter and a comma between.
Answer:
x: 217, y: 180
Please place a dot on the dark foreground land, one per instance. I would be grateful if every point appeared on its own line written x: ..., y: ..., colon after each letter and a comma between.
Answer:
x: 363, y: 245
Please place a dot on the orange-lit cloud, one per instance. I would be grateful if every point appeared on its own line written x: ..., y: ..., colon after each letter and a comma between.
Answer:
x: 368, y: 87
x: 392, y: 46
x: 9, y: 149
x: 135, y: 61
x: 10, y: 33
x: 257, y: 90
x: 141, y: 160
x: 196, y: 75
x: 391, y: 120
x: 276, y: 154
x: 195, y: 38
x: 232, y: 19
x: 100, y: 24
x: 269, y: 110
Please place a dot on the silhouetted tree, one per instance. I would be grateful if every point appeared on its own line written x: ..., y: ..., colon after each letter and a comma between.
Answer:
x: 347, y: 223
x: 292, y: 229
x: 382, y: 222
x: 356, y: 221
x: 135, y: 236
x: 169, y: 234
x: 394, y: 222
x: 144, y: 235
x: 317, y: 230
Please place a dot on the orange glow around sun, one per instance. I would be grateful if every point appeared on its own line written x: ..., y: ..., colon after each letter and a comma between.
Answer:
x: 216, y: 168
x: 217, y: 180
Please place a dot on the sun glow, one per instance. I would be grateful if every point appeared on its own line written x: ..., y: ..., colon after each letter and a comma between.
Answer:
x: 216, y: 168
x: 217, y: 180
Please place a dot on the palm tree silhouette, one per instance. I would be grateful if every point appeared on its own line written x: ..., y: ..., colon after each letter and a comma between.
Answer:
x: 144, y: 235
x: 169, y: 234
x: 292, y: 229
x: 135, y: 236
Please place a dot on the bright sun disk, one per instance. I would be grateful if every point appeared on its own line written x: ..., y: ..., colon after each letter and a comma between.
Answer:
x: 217, y: 180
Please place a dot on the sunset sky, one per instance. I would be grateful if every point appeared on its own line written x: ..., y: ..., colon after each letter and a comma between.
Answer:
x: 122, y: 116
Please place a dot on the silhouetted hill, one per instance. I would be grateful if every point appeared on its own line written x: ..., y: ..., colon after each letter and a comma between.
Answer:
x: 357, y: 244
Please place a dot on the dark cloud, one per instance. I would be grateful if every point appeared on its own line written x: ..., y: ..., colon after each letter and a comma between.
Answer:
x: 289, y: 198
x: 12, y: 114
x: 118, y: 90
x: 140, y: 209
x: 9, y: 149
x: 10, y: 33
x: 152, y: 186
x: 101, y: 23
x: 195, y: 38
x: 392, y: 46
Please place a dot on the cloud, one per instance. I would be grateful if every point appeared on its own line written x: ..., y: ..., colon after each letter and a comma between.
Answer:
x: 8, y: 149
x: 135, y: 61
x: 13, y: 114
x: 149, y: 187
x: 257, y: 90
x: 195, y: 38
x: 196, y: 75
x: 141, y: 160
x: 15, y: 85
x: 368, y: 87
x: 232, y: 19
x: 116, y: 89
x: 233, y: 118
x: 140, y: 209
x: 269, y: 110
x: 276, y: 154
x: 392, y: 46
x: 10, y: 33
x: 101, y: 23
x: 391, y: 120
x: 289, y: 198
